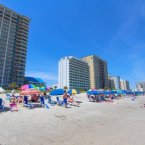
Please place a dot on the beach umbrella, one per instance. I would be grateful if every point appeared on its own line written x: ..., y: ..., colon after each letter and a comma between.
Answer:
x: 139, y: 92
x: 124, y: 92
x: 72, y: 91
x: 119, y: 92
x: 92, y: 90
x: 108, y: 92
x: 44, y: 88
x: 27, y: 86
x: 114, y: 91
x: 30, y: 92
x: 57, y: 92
x: 93, y: 93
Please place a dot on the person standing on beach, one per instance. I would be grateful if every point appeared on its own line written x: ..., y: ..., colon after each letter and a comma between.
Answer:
x: 133, y: 97
x: 65, y: 99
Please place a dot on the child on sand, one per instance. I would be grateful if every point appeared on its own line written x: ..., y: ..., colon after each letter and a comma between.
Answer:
x: 13, y: 104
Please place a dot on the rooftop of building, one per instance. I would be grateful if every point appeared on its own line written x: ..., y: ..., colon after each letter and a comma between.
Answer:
x: 15, y: 12
x: 93, y: 55
x: 72, y: 57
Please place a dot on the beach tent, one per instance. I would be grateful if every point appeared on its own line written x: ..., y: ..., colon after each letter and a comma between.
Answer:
x: 57, y: 92
x: 2, y: 90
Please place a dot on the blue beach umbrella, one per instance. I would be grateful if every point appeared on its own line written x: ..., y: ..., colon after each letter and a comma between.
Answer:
x: 114, y: 92
x: 57, y: 92
x: 108, y: 92
x: 93, y: 93
x: 119, y: 92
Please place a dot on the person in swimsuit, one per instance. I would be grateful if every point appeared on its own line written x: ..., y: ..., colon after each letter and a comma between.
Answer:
x: 65, y: 99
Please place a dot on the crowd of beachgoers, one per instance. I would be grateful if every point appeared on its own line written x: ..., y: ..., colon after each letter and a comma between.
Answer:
x: 38, y: 100
x: 62, y: 98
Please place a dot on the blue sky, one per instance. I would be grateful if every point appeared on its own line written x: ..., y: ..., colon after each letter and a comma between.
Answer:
x: 111, y: 29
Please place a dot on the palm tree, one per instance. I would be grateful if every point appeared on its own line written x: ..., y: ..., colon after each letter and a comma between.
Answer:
x: 13, y: 85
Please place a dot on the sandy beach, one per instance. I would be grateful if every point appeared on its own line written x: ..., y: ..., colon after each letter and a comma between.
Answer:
x: 119, y: 123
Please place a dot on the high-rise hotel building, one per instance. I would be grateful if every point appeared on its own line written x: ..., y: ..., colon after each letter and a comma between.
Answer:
x: 13, y: 46
x: 98, y: 72
x: 73, y: 73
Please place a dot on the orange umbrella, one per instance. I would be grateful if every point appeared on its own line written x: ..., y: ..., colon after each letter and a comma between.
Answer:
x: 30, y: 92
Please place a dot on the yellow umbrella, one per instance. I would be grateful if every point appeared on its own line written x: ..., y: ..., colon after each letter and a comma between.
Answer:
x: 72, y: 91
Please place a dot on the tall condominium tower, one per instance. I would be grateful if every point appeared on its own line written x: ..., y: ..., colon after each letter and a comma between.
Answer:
x: 98, y: 72
x: 13, y: 46
x: 73, y: 73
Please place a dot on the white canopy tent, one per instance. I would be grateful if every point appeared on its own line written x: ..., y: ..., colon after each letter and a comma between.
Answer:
x: 2, y: 90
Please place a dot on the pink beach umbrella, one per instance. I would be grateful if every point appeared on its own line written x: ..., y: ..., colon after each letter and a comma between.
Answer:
x: 27, y: 86
x: 30, y: 92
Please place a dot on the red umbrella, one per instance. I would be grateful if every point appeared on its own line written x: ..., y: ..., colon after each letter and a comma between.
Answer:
x: 30, y: 92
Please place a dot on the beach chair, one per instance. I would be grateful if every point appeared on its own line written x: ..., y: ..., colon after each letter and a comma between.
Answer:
x: 51, y: 102
x: 59, y: 102
x: 1, y: 104
x: 8, y: 96
x: 42, y: 102
x: 26, y: 103
x: 72, y: 102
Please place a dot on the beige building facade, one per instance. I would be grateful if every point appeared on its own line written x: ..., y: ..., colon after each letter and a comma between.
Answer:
x: 98, y: 72
x: 124, y: 84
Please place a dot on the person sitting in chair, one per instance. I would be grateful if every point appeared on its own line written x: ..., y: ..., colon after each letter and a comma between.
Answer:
x: 72, y: 101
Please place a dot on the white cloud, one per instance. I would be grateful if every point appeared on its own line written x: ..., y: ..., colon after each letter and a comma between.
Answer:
x: 43, y: 75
